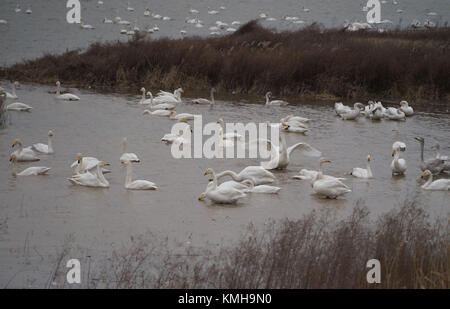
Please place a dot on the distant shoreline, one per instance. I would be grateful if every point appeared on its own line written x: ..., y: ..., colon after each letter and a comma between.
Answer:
x: 328, y: 64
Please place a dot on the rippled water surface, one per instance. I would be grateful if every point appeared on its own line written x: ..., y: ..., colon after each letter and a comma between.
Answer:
x: 38, y: 213
x: 46, y: 30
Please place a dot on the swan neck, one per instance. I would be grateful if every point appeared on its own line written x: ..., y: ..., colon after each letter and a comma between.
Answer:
x: 369, y: 170
x: 267, y: 99
x: 232, y: 174
x: 100, y: 175
x: 124, y: 146
x: 129, y: 174
x: 429, y: 181
x: 58, y: 92
x: 212, y: 97
x: 50, y: 147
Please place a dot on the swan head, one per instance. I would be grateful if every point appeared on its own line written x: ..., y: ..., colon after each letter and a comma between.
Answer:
x: 202, y: 197
x: 50, y: 133
x: 425, y: 174
x: 101, y: 163
x: 12, y: 158
x: 324, y: 160
x: 368, y: 158
x: 419, y: 139
x: 145, y: 112
x: 58, y: 83
x: 142, y: 89
x: 285, y: 127
x: 17, y: 84
x: 268, y: 94
x: 208, y: 171
x: 436, y: 146
x: 16, y: 142
x: 404, y: 103
x: 79, y: 158
x: 394, y: 152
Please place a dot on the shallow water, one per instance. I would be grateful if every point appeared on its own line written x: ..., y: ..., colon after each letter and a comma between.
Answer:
x: 46, y: 30
x: 41, y: 212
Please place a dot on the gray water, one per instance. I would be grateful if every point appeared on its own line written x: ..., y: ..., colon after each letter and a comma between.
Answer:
x: 46, y: 30
x: 39, y: 213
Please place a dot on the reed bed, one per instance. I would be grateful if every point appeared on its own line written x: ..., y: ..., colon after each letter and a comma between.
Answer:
x: 330, y: 63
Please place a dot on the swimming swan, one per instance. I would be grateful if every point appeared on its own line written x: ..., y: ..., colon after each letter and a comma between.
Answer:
x: 43, y: 148
x: 361, y: 172
x: 20, y: 107
x: 328, y: 187
x: 223, y: 194
x: 13, y: 95
x: 257, y: 174
x: 306, y: 174
x: 31, y: 171
x: 89, y: 179
x: 352, y: 114
x: 24, y: 154
x: 65, y: 96
x: 126, y: 156
x: 274, y: 102
x: 182, y: 116
x: 86, y: 164
x: 205, y: 101
x: 398, y: 165
x: 405, y: 108
x: 260, y: 188
x: 437, y: 185
x: 178, y: 139
x: 435, y: 165
x: 137, y: 184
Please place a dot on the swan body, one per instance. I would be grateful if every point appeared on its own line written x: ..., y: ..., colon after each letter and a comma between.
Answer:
x: 393, y: 113
x: 435, y: 165
x: 328, y: 187
x: 30, y: 171
x: 265, y: 189
x: 158, y: 112
x: 257, y: 174
x: 274, y: 102
x: 176, y: 93
x: 107, y: 21
x: 376, y: 113
x: 182, y: 116
x: 223, y: 194
x: 43, y: 148
x: 137, y: 184
x: 20, y: 107
x: 405, y: 108
x: 361, y: 172
x: 437, y: 185
x: 280, y: 154
x: 293, y: 128
x: 86, y: 164
x: 24, y: 154
x: 65, y: 96
x: 205, y: 101
x: 340, y: 108
x: 352, y: 114
x: 164, y: 97
x: 88, y: 179
x: 182, y: 138
x: 127, y: 156
x: 306, y: 174
x: 291, y: 117
x: 398, y: 165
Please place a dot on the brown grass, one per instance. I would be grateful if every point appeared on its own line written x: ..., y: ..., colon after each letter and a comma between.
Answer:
x: 318, y: 251
x: 332, y: 63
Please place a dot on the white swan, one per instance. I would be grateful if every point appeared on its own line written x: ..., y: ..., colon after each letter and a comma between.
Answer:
x: 437, y: 147
x: 176, y: 93
x: 274, y: 102
x: 437, y: 185
x: 89, y: 179
x: 86, y: 164
x: 361, y: 172
x: 43, y: 148
x: 20, y: 107
x: 128, y: 156
x: 137, y: 184
x: 24, y: 154
x: 174, y: 98
x: 182, y: 117
x: 376, y: 113
x: 398, y: 165
x: 328, y: 187
x: 408, y: 110
x: 340, y: 108
x: 223, y: 194
x: 260, y: 188
x: 13, y: 94
x: 435, y: 165
x: 352, y: 114
x: 393, y: 113
x: 279, y: 158
x: 293, y: 128
x: 178, y: 139
x: 306, y: 174
x: 65, y: 96
x: 30, y: 171
x: 143, y: 100
x: 205, y: 101
x: 159, y: 112
x: 257, y: 174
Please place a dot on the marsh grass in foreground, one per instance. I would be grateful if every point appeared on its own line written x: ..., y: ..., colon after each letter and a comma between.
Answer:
x: 310, y: 62
x: 318, y: 251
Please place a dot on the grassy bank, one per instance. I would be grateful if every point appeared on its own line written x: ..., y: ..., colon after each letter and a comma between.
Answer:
x: 309, y: 62
x: 316, y: 251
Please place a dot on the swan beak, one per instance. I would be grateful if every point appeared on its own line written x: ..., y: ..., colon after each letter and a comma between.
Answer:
x: 106, y: 164
x: 11, y: 158
x: 191, y: 129
x: 393, y: 152
x: 201, y: 197
x: 14, y: 144
x: 182, y: 91
x: 368, y: 158
x: 211, y: 179
x: 207, y: 172
x: 285, y: 127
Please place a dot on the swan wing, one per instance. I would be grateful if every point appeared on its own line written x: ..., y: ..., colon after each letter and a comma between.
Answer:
x: 142, y: 185
x: 39, y: 147
x: 305, y: 149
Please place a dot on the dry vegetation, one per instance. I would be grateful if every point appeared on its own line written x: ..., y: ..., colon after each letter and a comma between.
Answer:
x: 317, y: 251
x: 396, y: 64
